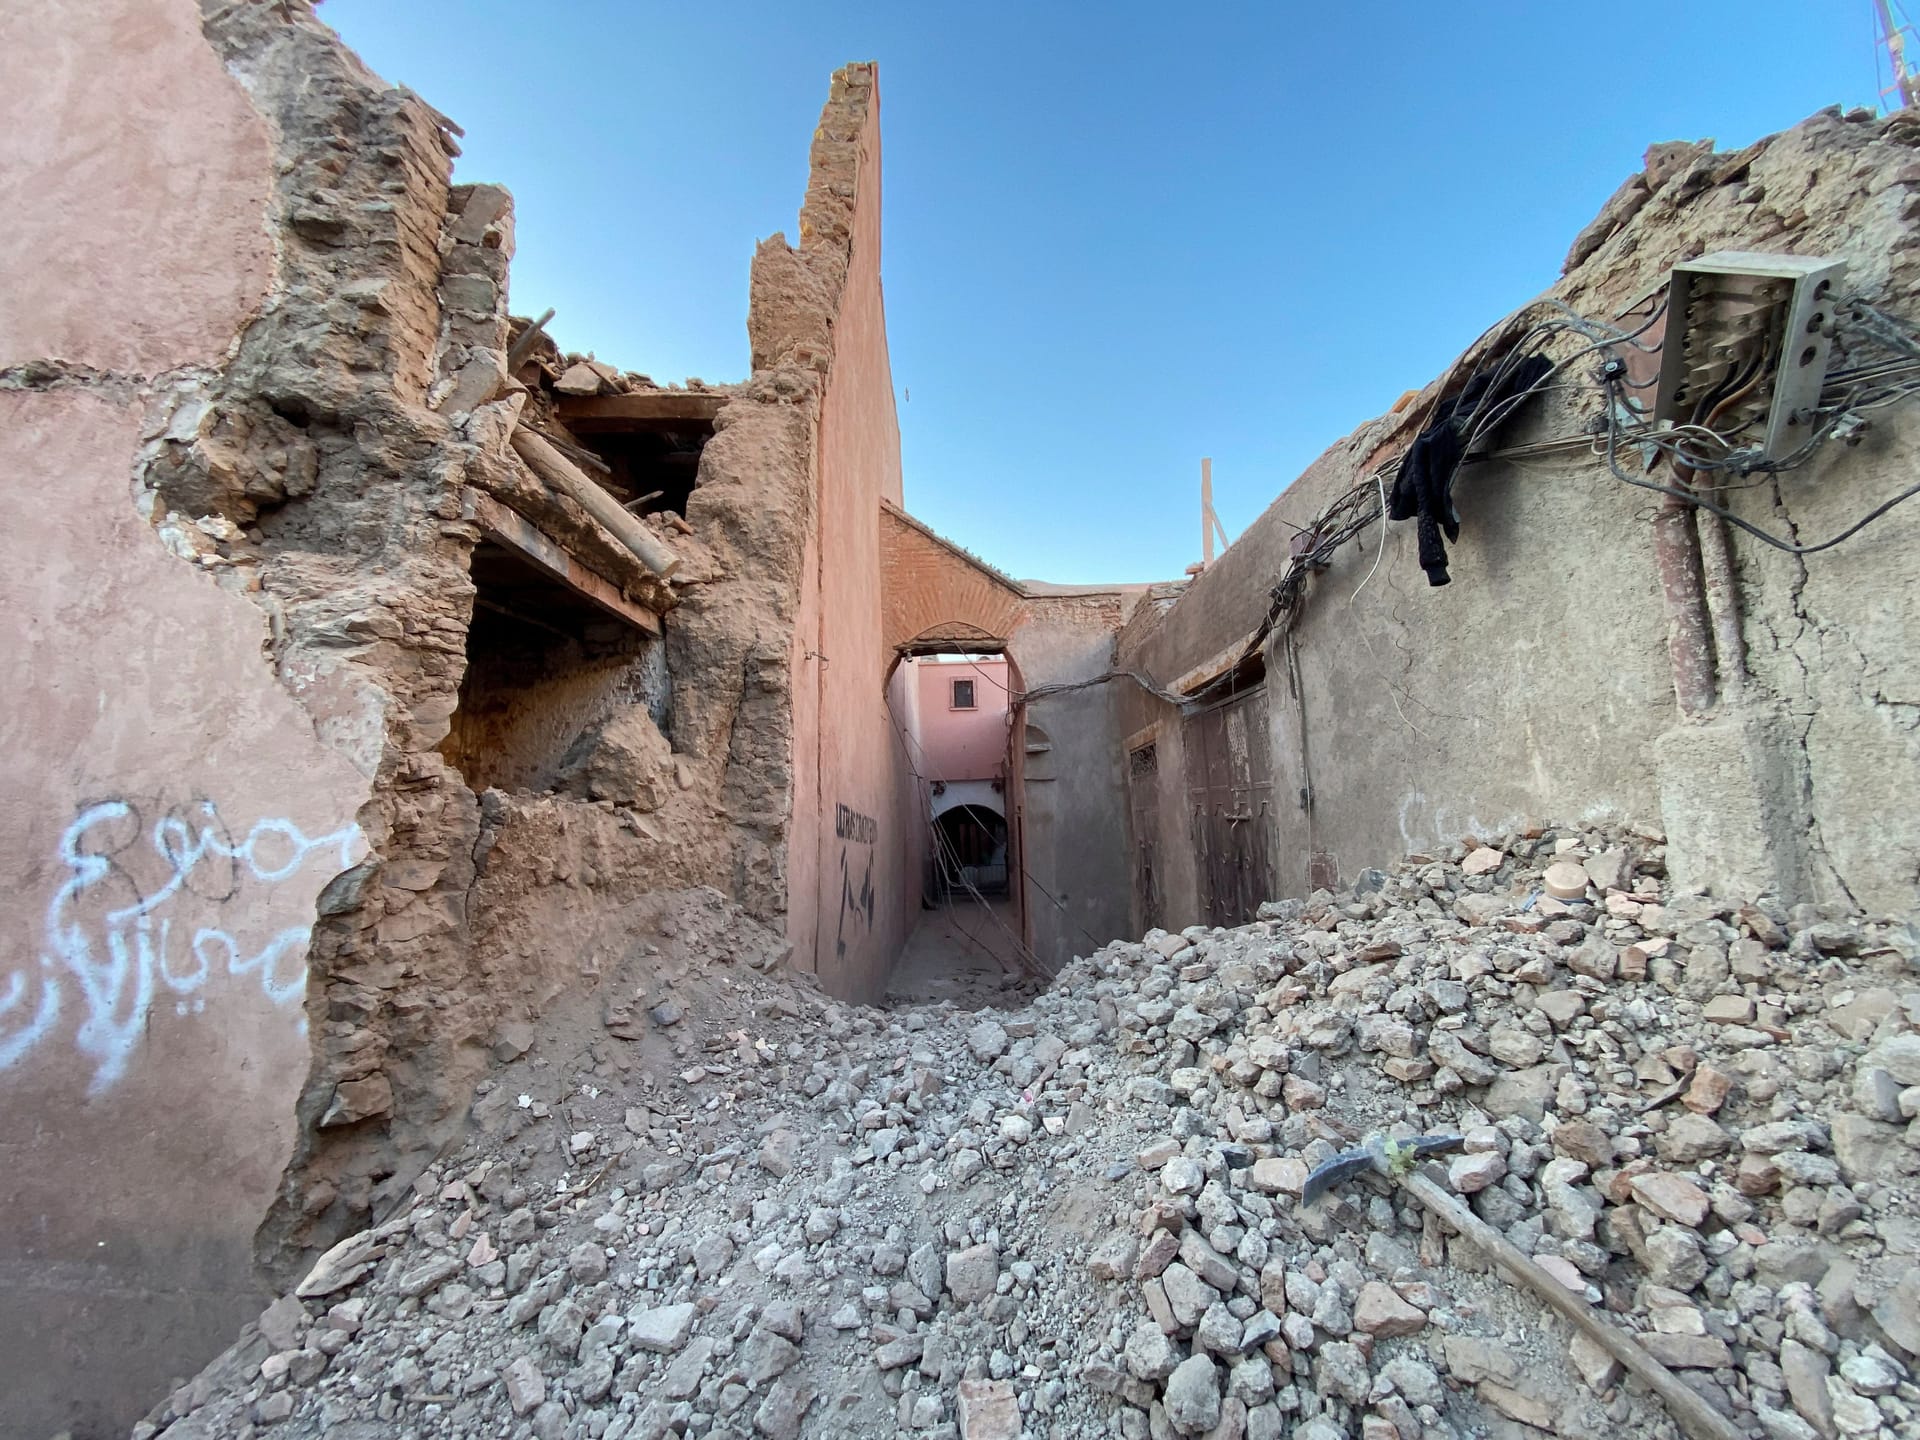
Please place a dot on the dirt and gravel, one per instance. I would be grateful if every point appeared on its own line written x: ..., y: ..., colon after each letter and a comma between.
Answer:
x: 703, y: 1199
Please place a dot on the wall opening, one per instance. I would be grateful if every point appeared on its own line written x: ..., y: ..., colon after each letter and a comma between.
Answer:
x: 964, y: 729
x: 650, y: 443
x: 543, y: 665
x: 969, y: 854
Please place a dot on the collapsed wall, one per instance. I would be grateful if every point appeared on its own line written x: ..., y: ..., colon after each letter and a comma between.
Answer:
x: 1394, y: 716
x: 854, y: 887
x: 341, y: 834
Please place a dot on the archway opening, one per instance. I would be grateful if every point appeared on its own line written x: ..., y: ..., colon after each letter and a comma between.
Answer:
x: 969, y: 852
x: 958, y: 712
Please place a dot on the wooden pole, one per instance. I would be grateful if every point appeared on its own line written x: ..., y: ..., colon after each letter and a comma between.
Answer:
x: 1696, y: 1417
x: 1206, y: 512
x: 524, y: 345
x: 554, y: 468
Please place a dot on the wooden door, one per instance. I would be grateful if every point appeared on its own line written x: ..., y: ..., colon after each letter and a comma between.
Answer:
x: 1230, y: 792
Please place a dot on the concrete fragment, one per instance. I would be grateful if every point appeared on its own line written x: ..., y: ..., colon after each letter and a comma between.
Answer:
x: 972, y: 1273
x: 1482, y: 861
x: 1380, y: 1311
x: 989, y: 1410
x: 662, y: 1329
x: 526, y: 1386
x: 1566, y: 880
x: 1193, y: 1396
x: 1671, y: 1197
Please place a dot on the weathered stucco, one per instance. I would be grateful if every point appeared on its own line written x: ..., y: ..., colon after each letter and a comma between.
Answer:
x: 165, y: 864
x: 961, y: 744
x: 1072, y: 800
x: 1538, y: 683
x: 135, y: 190
x: 853, y: 897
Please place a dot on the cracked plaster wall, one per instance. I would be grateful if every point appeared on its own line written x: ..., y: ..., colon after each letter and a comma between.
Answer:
x: 257, y: 367
x: 165, y: 865
x: 1537, y: 684
x: 853, y: 890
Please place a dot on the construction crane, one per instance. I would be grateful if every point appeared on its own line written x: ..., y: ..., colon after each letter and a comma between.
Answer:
x: 1905, y: 89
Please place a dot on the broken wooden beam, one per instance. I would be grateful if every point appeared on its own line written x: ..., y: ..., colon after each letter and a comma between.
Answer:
x: 514, y: 531
x: 524, y: 345
x: 663, y: 409
x: 1694, y: 1415
x: 554, y: 468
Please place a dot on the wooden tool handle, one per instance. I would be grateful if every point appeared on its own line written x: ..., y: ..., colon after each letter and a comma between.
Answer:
x: 1696, y: 1417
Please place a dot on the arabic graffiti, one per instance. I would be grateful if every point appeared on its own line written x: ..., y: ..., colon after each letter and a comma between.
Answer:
x: 853, y: 828
x: 850, y: 824
x: 119, y: 931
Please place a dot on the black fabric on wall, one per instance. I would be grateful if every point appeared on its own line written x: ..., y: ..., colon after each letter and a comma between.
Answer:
x: 1424, y: 487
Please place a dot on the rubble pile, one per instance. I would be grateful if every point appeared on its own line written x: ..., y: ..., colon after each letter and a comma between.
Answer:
x: 735, y: 1208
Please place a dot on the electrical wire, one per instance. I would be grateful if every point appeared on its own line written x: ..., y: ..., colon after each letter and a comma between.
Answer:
x: 1144, y: 681
x: 1694, y: 498
x: 1379, y: 549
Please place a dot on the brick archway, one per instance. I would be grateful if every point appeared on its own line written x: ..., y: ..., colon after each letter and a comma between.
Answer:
x: 935, y: 596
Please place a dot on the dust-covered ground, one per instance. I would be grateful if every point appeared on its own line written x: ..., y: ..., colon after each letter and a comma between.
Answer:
x: 702, y: 1199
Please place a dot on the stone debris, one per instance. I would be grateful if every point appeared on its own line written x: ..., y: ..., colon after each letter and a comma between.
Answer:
x: 1082, y: 1218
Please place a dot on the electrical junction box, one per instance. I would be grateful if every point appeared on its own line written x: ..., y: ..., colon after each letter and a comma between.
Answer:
x: 1747, y: 341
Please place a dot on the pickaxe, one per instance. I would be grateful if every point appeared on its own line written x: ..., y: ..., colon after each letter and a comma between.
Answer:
x: 1396, y: 1160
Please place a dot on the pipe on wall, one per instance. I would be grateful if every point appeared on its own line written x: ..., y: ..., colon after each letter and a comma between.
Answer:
x: 1676, y: 552
x: 1722, y: 589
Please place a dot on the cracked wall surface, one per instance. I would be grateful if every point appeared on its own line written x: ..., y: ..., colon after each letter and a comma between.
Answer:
x: 246, y: 626
x: 165, y: 865
x: 1538, y: 683
x: 853, y: 889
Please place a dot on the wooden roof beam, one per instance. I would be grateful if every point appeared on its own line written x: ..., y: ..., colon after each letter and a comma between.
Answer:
x: 642, y: 410
x: 515, y: 532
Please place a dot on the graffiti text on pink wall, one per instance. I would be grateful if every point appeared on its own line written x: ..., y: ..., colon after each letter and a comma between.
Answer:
x: 121, y: 932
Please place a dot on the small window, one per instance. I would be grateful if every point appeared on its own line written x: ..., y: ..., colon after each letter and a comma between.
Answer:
x: 963, y: 694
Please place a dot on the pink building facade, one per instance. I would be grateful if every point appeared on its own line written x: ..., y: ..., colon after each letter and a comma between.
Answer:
x: 962, y: 714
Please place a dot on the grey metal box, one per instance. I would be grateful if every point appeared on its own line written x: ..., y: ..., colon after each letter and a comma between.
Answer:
x: 1751, y: 333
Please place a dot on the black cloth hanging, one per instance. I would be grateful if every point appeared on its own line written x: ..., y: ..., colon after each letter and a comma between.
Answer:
x: 1424, y: 486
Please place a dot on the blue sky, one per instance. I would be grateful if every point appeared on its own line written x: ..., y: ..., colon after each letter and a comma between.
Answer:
x: 1118, y: 236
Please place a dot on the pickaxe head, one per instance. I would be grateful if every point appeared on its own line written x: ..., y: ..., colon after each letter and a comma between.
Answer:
x: 1380, y: 1154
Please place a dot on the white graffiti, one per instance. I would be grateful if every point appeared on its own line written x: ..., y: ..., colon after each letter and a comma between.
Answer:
x: 1423, y: 823
x: 107, y: 962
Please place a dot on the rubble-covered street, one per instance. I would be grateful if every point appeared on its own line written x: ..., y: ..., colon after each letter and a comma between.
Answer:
x: 554, y: 904
x: 708, y: 1201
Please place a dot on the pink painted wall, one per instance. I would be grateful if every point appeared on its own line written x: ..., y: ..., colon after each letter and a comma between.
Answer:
x: 860, y: 819
x: 132, y: 160
x: 804, y: 889
x: 963, y: 744
x: 169, y: 815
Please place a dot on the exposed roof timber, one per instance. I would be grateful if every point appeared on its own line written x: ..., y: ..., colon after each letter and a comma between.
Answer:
x: 524, y: 538
x: 1215, y: 665
x: 643, y: 410
x: 972, y: 642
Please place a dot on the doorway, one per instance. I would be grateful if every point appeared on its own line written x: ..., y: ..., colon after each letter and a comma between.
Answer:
x: 1230, y: 793
x: 959, y: 719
